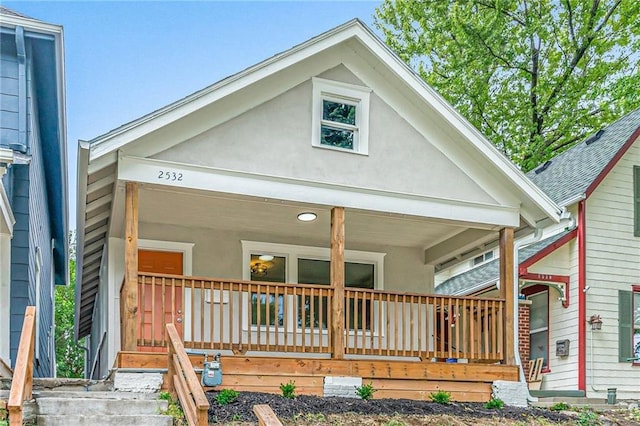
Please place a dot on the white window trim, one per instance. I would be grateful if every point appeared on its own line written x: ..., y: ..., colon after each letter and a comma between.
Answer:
x: 346, y: 93
x: 484, y: 259
x: 292, y: 253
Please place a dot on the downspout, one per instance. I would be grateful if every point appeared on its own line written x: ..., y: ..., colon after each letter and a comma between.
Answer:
x: 582, y: 296
x: 537, y: 235
x: 22, y: 91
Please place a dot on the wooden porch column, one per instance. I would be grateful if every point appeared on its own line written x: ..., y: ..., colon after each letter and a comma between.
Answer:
x: 337, y: 281
x: 130, y: 294
x: 506, y: 293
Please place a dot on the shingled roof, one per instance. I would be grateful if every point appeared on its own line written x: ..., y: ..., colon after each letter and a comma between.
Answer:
x: 570, y: 174
x: 487, y: 274
x: 563, y: 178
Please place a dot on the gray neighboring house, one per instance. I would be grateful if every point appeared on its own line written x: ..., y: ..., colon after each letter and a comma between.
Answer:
x: 33, y: 184
x: 582, y: 276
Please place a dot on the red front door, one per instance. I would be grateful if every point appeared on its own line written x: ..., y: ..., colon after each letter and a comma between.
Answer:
x: 158, y: 304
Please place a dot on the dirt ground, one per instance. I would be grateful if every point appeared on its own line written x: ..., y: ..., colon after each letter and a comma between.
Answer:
x: 311, y: 410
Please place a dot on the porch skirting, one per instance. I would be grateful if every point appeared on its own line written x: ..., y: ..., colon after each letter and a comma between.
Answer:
x: 392, y: 379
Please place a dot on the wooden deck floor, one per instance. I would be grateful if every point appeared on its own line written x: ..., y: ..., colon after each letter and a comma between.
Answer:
x: 393, y: 379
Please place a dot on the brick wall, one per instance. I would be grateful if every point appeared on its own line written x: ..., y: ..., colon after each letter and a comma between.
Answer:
x: 524, y: 307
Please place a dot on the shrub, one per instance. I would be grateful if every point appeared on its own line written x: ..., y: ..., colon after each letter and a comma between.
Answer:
x: 441, y: 397
x: 288, y: 389
x: 559, y: 406
x: 165, y: 396
x: 588, y: 418
x: 365, y: 391
x: 494, y: 404
x: 226, y: 396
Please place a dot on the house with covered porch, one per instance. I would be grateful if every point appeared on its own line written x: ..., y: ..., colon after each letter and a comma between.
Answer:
x: 579, y: 285
x: 289, y: 217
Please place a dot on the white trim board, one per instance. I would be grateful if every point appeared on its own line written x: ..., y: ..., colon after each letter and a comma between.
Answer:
x: 183, y: 175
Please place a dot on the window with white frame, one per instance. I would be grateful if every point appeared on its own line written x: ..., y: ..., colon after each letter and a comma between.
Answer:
x: 539, y: 326
x: 340, y: 116
x: 281, y: 263
x: 484, y: 257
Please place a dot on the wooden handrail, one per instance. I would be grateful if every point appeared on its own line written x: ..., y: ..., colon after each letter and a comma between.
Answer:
x: 22, y: 382
x: 266, y: 416
x: 183, y: 382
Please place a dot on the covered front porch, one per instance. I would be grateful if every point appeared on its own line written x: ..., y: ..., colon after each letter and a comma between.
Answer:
x: 361, y: 316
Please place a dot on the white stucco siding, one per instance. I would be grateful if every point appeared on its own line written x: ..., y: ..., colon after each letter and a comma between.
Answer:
x: 274, y: 138
x: 218, y: 254
x: 563, y: 322
x: 612, y: 264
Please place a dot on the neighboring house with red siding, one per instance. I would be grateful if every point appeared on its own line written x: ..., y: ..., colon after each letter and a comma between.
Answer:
x: 581, y: 275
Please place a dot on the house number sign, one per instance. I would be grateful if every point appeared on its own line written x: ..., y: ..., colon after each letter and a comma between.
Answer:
x: 169, y: 175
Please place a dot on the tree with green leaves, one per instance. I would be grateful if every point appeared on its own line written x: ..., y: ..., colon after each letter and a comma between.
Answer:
x: 69, y: 354
x: 534, y: 76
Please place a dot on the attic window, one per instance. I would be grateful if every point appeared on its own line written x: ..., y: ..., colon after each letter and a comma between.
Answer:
x: 542, y: 168
x: 595, y: 137
x: 340, y: 116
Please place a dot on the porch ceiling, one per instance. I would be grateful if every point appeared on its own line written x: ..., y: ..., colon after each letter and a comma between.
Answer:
x: 267, y: 216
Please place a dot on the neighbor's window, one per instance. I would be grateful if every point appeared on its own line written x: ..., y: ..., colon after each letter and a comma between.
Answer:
x: 485, y: 257
x: 636, y: 201
x: 629, y: 325
x: 340, y: 116
x: 539, y: 326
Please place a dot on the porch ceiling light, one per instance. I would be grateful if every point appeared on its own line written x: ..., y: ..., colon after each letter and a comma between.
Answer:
x: 307, y: 216
x: 266, y: 257
x: 259, y: 269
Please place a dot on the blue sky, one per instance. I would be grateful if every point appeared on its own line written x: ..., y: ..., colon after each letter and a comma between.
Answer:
x: 126, y: 59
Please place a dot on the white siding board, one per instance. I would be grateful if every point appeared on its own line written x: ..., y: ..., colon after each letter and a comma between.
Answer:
x: 613, y: 263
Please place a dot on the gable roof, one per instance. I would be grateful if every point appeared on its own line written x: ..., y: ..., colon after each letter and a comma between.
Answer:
x: 575, y: 173
x: 97, y: 159
x: 48, y: 80
x: 486, y: 275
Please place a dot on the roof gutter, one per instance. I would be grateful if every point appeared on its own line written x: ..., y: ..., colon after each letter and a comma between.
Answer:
x: 83, y: 165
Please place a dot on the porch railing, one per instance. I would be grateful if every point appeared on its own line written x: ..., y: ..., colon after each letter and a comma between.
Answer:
x: 273, y: 317
x: 22, y: 382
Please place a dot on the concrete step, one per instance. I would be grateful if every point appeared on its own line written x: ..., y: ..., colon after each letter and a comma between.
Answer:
x: 572, y: 400
x: 98, y: 406
x: 93, y: 394
x: 112, y: 420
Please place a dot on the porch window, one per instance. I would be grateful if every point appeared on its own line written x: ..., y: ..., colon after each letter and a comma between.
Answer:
x: 361, y: 275
x: 539, y: 326
x: 340, y: 116
x: 280, y: 263
x: 267, y: 309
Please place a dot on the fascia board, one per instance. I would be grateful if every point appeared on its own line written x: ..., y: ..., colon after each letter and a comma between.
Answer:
x: 299, y: 190
x: 83, y: 164
x: 8, y: 219
x: 119, y: 137
x: 12, y: 21
x: 466, y: 129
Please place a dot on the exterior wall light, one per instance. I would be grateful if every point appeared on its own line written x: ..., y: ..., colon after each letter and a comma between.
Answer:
x: 307, y: 216
x: 596, y: 322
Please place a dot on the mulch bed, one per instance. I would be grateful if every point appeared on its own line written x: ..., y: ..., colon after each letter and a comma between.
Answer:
x: 241, y: 410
